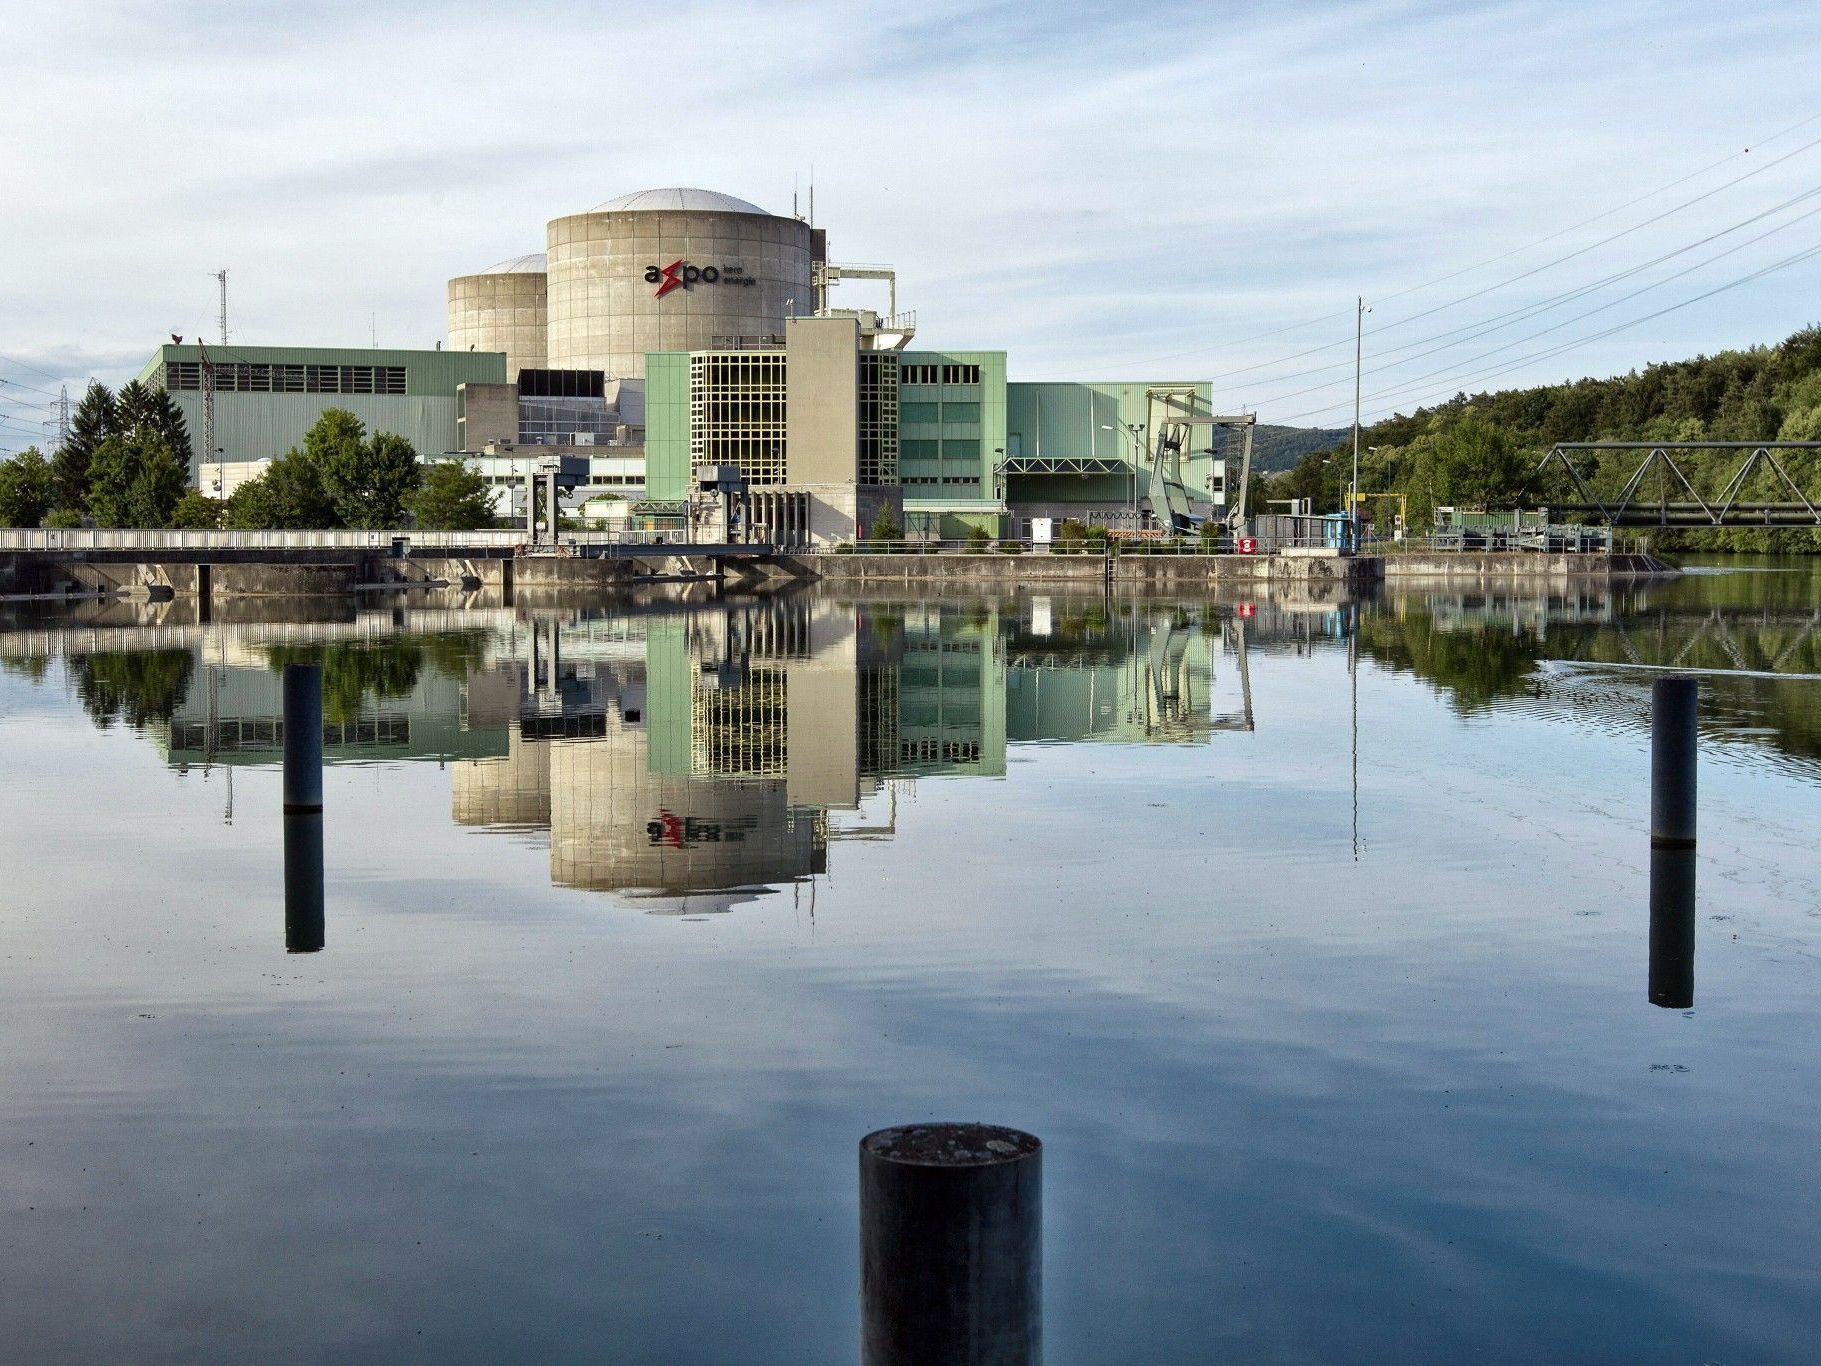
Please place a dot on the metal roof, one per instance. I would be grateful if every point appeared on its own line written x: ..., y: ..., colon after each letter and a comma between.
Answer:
x: 534, y: 264
x: 676, y: 197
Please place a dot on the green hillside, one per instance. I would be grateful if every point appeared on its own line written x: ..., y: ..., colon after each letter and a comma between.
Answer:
x: 1479, y: 449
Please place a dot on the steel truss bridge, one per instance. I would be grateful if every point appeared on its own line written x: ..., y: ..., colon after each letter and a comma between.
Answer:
x: 1671, y: 499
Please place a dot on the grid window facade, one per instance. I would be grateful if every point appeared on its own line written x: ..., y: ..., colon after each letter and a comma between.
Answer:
x: 736, y: 413
x: 742, y: 732
x: 242, y: 377
x: 878, y: 421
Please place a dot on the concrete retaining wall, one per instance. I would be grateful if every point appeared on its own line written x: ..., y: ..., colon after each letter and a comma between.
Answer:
x: 1189, y: 570
x: 1490, y: 566
x: 1078, y: 569
x: 281, y: 580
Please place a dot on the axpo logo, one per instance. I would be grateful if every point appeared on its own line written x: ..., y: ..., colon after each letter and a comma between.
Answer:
x: 679, y: 274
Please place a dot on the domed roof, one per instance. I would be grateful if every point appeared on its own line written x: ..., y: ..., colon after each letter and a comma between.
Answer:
x: 676, y: 197
x: 534, y: 264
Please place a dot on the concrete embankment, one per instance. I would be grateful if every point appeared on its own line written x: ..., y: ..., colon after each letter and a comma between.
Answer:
x: 1491, y: 566
x: 218, y: 575
x: 1226, y: 570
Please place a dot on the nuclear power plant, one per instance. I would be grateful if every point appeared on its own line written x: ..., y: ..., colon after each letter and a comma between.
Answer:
x: 672, y: 337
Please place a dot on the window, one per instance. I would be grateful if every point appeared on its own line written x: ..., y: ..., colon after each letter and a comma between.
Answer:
x: 247, y: 378
x: 929, y: 413
x: 961, y: 412
x: 916, y: 449
x: 961, y: 374
x: 920, y: 374
x: 961, y: 450
x: 561, y: 383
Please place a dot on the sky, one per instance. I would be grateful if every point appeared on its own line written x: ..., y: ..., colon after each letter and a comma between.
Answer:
x: 1125, y: 191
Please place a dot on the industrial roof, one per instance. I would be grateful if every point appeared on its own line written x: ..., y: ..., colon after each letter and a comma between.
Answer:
x: 534, y: 264
x: 676, y: 197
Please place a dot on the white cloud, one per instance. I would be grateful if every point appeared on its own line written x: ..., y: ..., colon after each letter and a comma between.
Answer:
x: 1091, y: 187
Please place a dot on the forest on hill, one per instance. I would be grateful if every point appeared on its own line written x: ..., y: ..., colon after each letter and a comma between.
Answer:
x: 1480, y: 450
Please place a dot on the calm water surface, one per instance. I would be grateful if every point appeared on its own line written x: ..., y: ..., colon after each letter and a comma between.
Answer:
x: 1311, y: 937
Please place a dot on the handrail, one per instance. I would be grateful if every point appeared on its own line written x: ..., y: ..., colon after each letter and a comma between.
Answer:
x: 122, y: 538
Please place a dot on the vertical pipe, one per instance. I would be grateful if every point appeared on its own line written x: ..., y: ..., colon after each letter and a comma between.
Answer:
x: 303, y: 738
x: 1672, y: 763
x: 303, y: 882
x: 951, y: 1246
x: 1672, y: 927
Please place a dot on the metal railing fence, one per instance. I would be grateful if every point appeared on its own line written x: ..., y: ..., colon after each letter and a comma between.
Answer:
x: 112, y: 538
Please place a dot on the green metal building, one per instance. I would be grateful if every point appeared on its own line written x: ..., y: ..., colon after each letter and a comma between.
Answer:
x: 267, y: 397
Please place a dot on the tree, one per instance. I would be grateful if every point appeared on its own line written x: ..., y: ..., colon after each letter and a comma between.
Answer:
x: 167, y: 419
x: 885, y: 528
x: 452, y: 497
x: 135, y: 481
x: 299, y: 501
x: 1471, y: 464
x: 135, y: 406
x: 196, y: 511
x: 366, y: 478
x: 91, y: 424
x: 255, y: 506
x: 26, y: 484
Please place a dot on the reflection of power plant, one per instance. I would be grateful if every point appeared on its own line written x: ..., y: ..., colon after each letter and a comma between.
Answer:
x: 688, y: 760
x: 688, y: 756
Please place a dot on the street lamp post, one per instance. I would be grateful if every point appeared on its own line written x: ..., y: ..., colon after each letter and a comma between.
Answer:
x: 1359, y: 334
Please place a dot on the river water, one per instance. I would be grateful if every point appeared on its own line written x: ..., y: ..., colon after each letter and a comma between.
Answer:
x: 1311, y: 937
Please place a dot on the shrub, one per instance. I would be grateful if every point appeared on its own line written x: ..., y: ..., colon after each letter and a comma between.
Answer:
x: 1011, y: 547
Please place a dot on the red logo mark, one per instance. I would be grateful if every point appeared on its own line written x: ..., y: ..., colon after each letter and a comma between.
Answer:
x: 671, y: 277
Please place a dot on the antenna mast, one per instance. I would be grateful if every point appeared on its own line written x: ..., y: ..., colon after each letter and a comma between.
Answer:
x: 208, y: 418
x: 222, y: 276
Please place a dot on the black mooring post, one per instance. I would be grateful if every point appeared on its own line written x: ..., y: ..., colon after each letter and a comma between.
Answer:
x: 951, y: 1266
x: 303, y: 738
x: 1672, y: 928
x: 303, y: 808
x: 1672, y: 763
x: 303, y: 882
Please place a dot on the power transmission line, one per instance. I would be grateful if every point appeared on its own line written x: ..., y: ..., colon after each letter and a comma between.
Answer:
x: 1751, y: 241
x: 1507, y: 367
x: 1535, y: 270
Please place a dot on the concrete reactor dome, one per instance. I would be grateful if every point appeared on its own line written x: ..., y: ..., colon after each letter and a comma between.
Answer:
x: 502, y: 308
x: 671, y: 270
x: 676, y: 197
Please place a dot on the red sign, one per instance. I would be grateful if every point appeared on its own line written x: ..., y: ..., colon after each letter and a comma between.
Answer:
x: 1248, y: 545
x: 668, y: 277
x: 1248, y: 609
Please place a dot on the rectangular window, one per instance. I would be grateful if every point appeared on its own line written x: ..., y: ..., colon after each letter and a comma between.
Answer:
x: 961, y: 374
x: 961, y: 450
x: 919, y: 449
x: 909, y: 413
x: 920, y: 374
x: 961, y: 412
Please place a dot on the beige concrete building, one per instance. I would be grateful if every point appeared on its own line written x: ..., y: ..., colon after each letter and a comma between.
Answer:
x: 503, y: 308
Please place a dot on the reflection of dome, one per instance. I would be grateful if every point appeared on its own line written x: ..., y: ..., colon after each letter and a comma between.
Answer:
x: 674, y: 198
x: 667, y: 901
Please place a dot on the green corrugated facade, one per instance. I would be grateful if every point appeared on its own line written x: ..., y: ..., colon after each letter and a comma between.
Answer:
x: 261, y: 425
x: 667, y: 464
